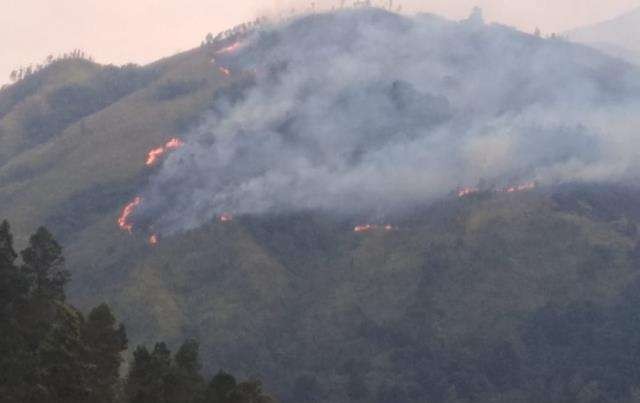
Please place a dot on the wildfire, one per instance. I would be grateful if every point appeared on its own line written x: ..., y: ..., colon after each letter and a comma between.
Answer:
x: 464, y: 192
x: 520, y: 188
x: 155, y: 154
x: 372, y: 227
x: 153, y: 239
x: 226, y: 217
x: 364, y: 228
x: 174, y: 144
x: 123, y: 220
x: 224, y: 72
x: 230, y: 49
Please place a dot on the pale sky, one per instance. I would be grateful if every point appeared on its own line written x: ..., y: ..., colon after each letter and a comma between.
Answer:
x: 140, y: 31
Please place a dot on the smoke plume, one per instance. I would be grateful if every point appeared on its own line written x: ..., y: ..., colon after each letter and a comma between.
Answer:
x: 368, y: 111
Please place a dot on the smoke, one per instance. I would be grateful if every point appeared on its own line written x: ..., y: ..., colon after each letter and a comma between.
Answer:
x: 365, y: 111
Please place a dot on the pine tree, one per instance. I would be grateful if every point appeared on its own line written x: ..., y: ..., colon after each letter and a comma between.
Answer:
x: 186, y: 383
x: 104, y: 343
x: 187, y: 357
x: 220, y: 388
x: 15, y: 363
x: 51, y: 330
x: 43, y: 266
x: 62, y: 373
x: 249, y: 392
x: 11, y: 284
x: 149, y: 374
x: 43, y: 261
x: 136, y: 388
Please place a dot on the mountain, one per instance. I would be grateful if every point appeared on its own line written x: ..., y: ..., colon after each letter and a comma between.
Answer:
x: 522, y: 294
x: 616, y: 37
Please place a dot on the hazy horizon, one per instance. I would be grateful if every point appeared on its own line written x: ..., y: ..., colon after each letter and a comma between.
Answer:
x: 141, y: 31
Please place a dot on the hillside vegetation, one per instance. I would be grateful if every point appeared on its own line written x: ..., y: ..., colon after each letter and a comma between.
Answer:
x: 52, y: 353
x: 495, y: 297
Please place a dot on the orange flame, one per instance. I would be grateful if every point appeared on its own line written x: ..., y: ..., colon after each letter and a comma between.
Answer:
x: 153, y: 239
x: 464, y: 192
x: 225, y: 72
x: 364, y: 228
x: 123, y: 220
x: 372, y: 227
x: 520, y: 188
x: 230, y: 49
x: 174, y: 144
x: 226, y: 217
x: 154, y: 155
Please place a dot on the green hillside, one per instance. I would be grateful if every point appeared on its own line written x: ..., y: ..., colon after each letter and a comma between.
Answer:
x: 490, y: 297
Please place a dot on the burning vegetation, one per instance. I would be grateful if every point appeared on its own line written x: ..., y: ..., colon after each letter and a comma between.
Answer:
x: 124, y: 219
x: 373, y: 227
x: 520, y: 188
x: 464, y: 192
x: 230, y: 49
x: 155, y: 154
x: 226, y: 217
x: 469, y: 191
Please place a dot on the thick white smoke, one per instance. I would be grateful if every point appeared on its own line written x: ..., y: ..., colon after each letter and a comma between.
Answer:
x: 362, y: 111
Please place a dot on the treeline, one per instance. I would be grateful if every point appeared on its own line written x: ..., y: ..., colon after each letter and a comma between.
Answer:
x: 243, y: 29
x: 50, y: 352
x: 23, y: 72
x: 44, y: 117
x: 70, y: 103
x: 232, y: 33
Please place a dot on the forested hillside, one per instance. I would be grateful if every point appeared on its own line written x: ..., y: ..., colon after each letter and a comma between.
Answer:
x: 52, y: 353
x: 496, y: 294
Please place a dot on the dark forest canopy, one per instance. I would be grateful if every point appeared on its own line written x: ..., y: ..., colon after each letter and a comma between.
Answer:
x: 51, y: 353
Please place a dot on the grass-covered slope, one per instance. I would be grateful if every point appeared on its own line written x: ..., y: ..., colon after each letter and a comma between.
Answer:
x: 519, y: 297
x: 91, y: 132
x: 302, y: 298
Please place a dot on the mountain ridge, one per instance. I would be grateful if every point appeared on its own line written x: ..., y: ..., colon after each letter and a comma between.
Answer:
x: 449, y: 304
x: 613, y: 37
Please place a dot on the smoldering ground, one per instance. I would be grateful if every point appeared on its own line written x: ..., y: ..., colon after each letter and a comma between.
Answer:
x: 365, y: 110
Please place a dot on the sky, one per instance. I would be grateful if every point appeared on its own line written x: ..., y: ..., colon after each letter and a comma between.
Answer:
x: 141, y: 31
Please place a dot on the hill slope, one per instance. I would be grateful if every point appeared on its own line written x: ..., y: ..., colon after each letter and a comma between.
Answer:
x: 616, y: 37
x: 476, y: 298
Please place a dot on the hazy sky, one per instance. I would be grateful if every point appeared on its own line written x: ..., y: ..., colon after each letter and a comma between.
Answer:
x: 119, y: 31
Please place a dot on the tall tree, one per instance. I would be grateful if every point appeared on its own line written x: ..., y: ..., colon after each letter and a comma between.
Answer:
x: 62, y: 373
x: 220, y: 388
x: 12, y: 284
x: 149, y: 373
x: 15, y: 363
x: 52, y: 330
x: 43, y: 261
x: 184, y: 383
x: 43, y: 266
x: 249, y: 392
x: 104, y: 342
x: 139, y: 386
